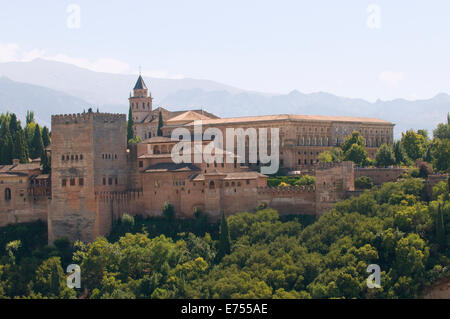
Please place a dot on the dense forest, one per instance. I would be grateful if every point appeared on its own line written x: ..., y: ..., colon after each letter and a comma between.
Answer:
x: 401, y: 226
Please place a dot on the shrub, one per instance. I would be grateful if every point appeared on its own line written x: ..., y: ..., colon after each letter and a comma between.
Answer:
x: 364, y: 182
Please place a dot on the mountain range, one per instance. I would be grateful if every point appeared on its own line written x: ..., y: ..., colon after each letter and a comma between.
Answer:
x: 49, y: 87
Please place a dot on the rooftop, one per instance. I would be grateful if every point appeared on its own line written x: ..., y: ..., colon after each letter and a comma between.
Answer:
x: 292, y: 117
x: 140, y: 84
x: 172, y: 167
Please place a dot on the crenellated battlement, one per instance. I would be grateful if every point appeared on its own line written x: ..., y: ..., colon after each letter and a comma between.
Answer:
x: 287, y: 190
x: 324, y: 166
x: 86, y: 117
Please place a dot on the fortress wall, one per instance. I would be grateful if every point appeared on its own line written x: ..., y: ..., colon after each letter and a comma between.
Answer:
x: 31, y: 211
x: 333, y: 181
x: 380, y: 175
x: 289, y: 200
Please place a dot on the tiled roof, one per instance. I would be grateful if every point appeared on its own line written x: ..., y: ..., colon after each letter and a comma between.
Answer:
x: 20, y: 167
x: 172, y: 167
x: 231, y: 176
x: 159, y: 139
x: 188, y: 117
x: 172, y: 114
x: 12, y: 174
x: 292, y: 117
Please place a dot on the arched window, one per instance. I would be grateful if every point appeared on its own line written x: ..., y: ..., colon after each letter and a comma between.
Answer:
x: 7, y: 194
x: 211, y: 185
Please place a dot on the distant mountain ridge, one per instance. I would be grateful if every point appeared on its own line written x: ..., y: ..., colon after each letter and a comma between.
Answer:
x: 74, y: 89
x: 19, y: 97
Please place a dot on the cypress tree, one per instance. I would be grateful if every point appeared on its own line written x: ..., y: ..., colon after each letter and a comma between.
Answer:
x: 45, y: 136
x: 440, y: 228
x: 46, y: 163
x: 160, y: 124
x: 37, y: 145
x: 6, y: 141
x: 20, y: 147
x: 224, y: 239
x: 30, y: 117
x: 130, y: 124
x: 13, y: 125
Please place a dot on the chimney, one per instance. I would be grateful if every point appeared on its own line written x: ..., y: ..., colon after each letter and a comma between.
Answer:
x: 16, y: 161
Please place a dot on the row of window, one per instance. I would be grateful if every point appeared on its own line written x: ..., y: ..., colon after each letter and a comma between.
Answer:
x: 305, y: 162
x: 110, y: 180
x: 135, y: 106
x: 72, y: 182
x: 109, y: 156
x: 72, y: 157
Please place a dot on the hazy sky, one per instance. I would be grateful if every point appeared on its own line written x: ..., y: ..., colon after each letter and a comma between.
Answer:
x: 355, y: 48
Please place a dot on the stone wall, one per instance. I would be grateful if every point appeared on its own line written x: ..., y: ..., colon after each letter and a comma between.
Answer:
x: 289, y: 200
x: 380, y: 175
x: 333, y: 181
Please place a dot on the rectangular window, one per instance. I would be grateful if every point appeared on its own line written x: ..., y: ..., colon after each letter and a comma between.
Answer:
x: 141, y: 164
x: 64, y: 183
x: 116, y: 181
x: 104, y: 181
x: 81, y: 181
x: 109, y: 181
x: 72, y: 181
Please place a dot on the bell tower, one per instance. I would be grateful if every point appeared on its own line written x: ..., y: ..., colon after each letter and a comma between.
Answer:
x: 141, y: 101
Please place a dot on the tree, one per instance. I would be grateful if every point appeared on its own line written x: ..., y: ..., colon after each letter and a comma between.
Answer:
x: 30, y: 117
x: 336, y: 154
x: 45, y: 136
x: 364, y: 182
x: 354, y: 138
x: 49, y: 280
x: 357, y: 154
x: 6, y: 148
x: 354, y: 149
x: 169, y: 212
x: 325, y: 157
x: 46, y: 162
x: 224, y: 239
x: 385, y: 156
x: 127, y: 223
x: 441, y: 154
x: 399, y: 153
x: 160, y: 124
x: 20, y: 147
x: 440, y: 228
x: 37, y: 145
x: 130, y: 124
x: 11, y: 248
x: 424, y: 133
x: 14, y: 125
x: 414, y: 144
x: 443, y: 130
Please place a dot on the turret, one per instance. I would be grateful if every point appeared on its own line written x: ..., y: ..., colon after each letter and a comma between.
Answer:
x: 141, y: 101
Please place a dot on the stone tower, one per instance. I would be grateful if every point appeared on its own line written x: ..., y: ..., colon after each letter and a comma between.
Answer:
x: 88, y: 160
x: 141, y: 101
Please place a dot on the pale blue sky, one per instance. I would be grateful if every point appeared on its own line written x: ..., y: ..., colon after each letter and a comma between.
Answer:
x: 269, y: 46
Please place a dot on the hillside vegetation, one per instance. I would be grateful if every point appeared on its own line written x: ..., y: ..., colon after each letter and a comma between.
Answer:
x: 391, y: 226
